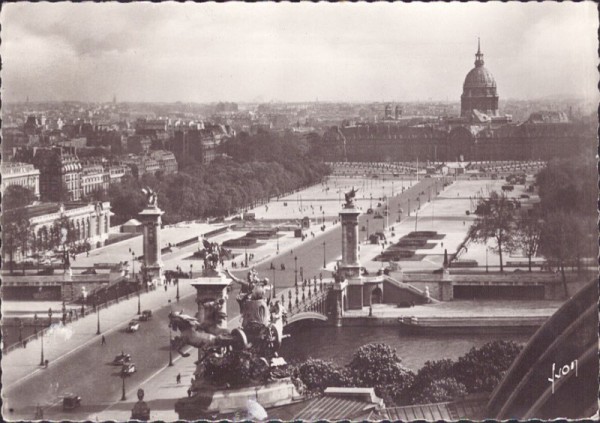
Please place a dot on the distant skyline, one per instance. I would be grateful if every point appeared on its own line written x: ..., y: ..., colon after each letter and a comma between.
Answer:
x: 344, y: 52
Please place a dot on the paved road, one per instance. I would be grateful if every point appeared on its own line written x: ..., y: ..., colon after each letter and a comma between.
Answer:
x: 310, y: 253
x: 87, y: 372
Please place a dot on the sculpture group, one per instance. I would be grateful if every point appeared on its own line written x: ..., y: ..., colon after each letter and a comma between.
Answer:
x: 256, y: 342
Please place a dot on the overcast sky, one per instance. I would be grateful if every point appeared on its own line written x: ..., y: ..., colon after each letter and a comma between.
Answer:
x: 293, y: 52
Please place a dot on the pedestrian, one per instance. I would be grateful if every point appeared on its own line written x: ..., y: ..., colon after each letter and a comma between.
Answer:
x: 178, y: 378
x: 189, y: 391
x: 103, y: 342
x: 46, y: 363
x: 165, y: 288
x: 25, y: 343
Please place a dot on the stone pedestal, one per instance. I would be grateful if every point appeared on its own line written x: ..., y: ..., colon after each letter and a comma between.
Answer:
x: 209, y: 289
x: 340, y: 297
x: 349, y: 267
x: 210, y: 402
x: 153, y: 266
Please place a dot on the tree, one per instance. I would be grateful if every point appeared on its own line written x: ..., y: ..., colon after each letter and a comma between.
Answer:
x: 378, y: 366
x: 428, y: 374
x: 527, y: 237
x: 560, y: 240
x: 481, y: 369
x: 17, y: 196
x: 16, y: 234
x: 319, y: 374
x: 440, y: 390
x: 495, y: 220
x: 569, y: 185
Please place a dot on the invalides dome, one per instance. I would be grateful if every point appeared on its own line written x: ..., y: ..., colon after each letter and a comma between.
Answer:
x: 479, y: 90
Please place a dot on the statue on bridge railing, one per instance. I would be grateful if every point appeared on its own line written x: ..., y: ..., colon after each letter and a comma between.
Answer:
x: 349, y: 196
x: 151, y: 197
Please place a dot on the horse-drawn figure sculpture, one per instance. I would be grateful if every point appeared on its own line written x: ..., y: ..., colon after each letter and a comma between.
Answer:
x: 262, y: 322
x: 253, y: 346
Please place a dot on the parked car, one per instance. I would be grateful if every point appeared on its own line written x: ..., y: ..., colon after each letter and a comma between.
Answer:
x: 370, y: 211
x: 146, y: 315
x: 121, y: 359
x: 133, y: 326
x: 128, y: 369
x: 71, y: 402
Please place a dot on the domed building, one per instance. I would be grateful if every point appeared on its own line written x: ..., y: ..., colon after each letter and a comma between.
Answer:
x: 479, y: 90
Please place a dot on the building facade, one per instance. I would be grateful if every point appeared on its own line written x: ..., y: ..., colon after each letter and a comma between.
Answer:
x: 88, y: 222
x: 22, y: 174
x: 479, y: 134
x: 166, y: 161
x: 60, y: 173
x: 201, y: 144
x: 94, y: 177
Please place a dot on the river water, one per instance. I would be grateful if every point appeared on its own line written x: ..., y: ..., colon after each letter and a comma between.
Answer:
x: 338, y: 344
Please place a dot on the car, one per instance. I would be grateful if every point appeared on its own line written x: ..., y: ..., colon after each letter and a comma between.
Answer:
x: 90, y: 271
x: 146, y: 315
x: 122, y: 359
x: 524, y: 196
x: 46, y: 271
x: 128, y: 369
x: 133, y: 326
x: 71, y: 402
x: 370, y: 211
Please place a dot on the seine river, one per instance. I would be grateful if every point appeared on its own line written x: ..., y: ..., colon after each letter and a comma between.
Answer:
x: 338, y: 344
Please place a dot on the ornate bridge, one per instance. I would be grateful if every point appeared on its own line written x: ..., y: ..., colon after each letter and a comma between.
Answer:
x: 305, y: 302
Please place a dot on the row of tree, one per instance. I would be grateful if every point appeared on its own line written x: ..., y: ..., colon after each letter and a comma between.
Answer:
x: 563, y: 228
x: 378, y: 366
x: 254, y: 168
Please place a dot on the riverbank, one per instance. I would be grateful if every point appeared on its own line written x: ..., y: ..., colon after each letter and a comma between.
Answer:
x: 464, y: 316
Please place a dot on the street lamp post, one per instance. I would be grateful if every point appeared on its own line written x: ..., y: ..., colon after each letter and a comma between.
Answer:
x: 139, y: 300
x: 416, y: 218
x: 97, y: 307
x: 170, y: 340
x: 324, y: 260
x: 20, y: 331
x: 42, y: 350
x: 277, y: 233
x: 296, y: 270
x: 123, y: 398
x: 486, y: 259
x: 177, y: 283
x: 191, y: 267
x: 367, y: 230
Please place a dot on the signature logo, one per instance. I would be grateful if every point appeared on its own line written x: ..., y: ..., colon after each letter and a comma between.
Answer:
x: 562, y: 371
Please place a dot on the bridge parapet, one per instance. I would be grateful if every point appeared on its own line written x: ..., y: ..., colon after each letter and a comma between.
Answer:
x: 302, y: 303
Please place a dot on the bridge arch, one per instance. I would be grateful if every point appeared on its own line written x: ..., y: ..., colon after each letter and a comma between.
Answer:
x: 307, y: 315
